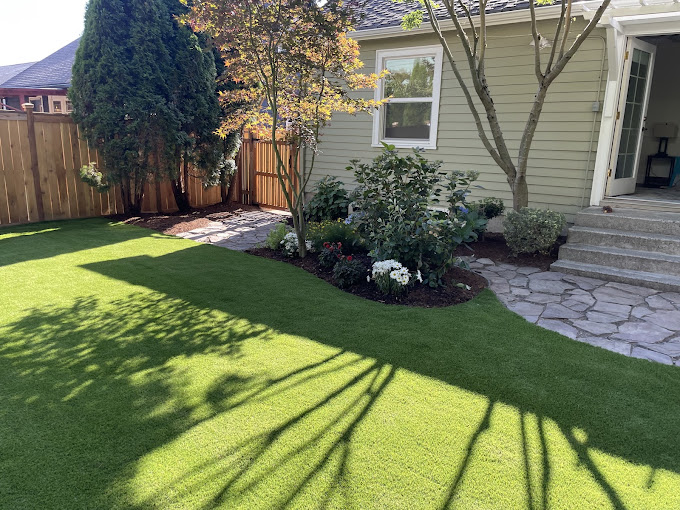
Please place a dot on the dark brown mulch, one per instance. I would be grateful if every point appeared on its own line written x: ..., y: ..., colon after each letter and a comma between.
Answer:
x: 176, y: 223
x: 419, y: 295
x: 493, y: 247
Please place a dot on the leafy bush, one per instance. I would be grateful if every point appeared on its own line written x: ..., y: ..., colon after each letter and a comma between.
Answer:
x: 335, y: 232
x: 90, y: 175
x: 394, y: 196
x: 533, y: 230
x: 330, y: 254
x: 289, y: 245
x: 490, y: 207
x: 330, y: 201
x: 392, y: 277
x: 348, y: 271
x: 276, y: 235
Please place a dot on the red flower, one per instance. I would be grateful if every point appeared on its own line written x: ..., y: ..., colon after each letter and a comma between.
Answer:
x: 339, y: 245
x: 326, y: 245
x: 349, y: 258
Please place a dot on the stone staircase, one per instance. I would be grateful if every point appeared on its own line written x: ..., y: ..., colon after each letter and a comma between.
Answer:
x: 639, y: 247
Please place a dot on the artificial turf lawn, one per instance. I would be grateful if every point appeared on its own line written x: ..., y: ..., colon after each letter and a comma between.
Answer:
x: 139, y: 370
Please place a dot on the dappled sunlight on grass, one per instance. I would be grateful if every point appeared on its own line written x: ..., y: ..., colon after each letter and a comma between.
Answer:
x: 139, y: 371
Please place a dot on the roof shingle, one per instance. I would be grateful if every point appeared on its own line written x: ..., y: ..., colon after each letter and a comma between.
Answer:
x: 53, y: 71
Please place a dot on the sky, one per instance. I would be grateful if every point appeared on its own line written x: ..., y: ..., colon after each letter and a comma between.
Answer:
x: 30, y: 30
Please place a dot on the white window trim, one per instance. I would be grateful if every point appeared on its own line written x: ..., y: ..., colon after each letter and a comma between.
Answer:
x: 415, y: 51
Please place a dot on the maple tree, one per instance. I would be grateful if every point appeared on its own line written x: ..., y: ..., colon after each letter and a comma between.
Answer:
x: 296, y: 65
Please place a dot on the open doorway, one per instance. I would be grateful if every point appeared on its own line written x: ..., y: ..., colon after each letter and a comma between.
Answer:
x: 646, y: 164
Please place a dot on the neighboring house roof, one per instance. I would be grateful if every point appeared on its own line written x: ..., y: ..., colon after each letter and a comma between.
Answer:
x: 53, y: 71
x: 388, y: 13
x: 7, y: 72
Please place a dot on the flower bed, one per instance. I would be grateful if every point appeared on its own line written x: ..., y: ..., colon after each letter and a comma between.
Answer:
x: 418, y: 295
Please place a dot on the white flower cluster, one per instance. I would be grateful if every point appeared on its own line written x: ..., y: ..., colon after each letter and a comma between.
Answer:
x: 289, y: 244
x: 401, y: 276
x: 386, y: 266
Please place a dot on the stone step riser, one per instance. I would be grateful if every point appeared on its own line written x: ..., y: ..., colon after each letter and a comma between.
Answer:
x: 605, y: 273
x: 647, y: 262
x: 625, y: 240
x: 628, y: 224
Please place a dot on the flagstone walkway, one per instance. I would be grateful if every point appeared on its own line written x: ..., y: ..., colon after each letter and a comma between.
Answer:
x: 239, y: 232
x: 631, y: 320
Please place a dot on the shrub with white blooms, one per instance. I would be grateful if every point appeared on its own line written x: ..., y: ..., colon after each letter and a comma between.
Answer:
x: 392, y: 277
x: 289, y: 244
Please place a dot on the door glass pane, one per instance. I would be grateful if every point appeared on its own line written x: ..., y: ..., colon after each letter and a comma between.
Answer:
x: 632, y: 115
x: 408, y: 120
x: 409, y: 77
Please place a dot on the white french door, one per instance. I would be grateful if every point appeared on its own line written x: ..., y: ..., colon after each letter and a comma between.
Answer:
x: 631, y: 115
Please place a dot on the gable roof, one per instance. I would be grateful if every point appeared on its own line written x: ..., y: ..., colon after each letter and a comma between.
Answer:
x: 7, y: 72
x: 388, y: 13
x: 54, y: 71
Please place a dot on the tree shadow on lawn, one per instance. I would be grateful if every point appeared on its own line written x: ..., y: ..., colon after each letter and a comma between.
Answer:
x: 21, y: 243
x: 89, y: 390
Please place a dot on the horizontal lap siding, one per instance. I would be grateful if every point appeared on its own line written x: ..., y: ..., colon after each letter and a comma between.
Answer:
x: 559, y: 155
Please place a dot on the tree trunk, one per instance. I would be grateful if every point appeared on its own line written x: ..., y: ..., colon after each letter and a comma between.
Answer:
x: 181, y: 192
x: 520, y: 193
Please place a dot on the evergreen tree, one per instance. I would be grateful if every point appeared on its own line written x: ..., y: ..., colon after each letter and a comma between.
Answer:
x: 143, y: 93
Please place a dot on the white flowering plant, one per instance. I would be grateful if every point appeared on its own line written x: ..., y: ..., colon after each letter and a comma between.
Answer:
x: 289, y: 245
x: 392, y: 277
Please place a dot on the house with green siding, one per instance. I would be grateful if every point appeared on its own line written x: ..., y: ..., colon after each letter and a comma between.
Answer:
x: 598, y: 138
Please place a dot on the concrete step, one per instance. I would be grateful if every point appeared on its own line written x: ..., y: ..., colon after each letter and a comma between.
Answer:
x: 642, y: 278
x: 630, y: 220
x: 628, y: 240
x: 640, y: 203
x: 634, y: 260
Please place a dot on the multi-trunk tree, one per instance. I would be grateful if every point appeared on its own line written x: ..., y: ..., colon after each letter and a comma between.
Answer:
x: 472, y: 34
x: 295, y: 65
x: 144, y: 96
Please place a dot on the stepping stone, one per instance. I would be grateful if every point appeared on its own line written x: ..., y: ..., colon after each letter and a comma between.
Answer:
x: 666, y: 319
x: 520, y: 281
x: 642, y: 332
x: 526, y: 309
x: 486, y: 262
x: 547, y: 275
x: 611, y: 345
x: 633, y: 289
x: 673, y: 297
x: 556, y: 311
x: 538, y: 297
x: 642, y: 353
x: 604, y: 317
x: 617, y: 296
x: 499, y: 285
x: 586, y: 299
x: 596, y: 328
x: 640, y: 311
x: 584, y: 282
x: 612, y: 308
x: 573, y: 304
x: 518, y: 291
x: 559, y: 327
x: 507, y: 274
x: 528, y: 270
x: 549, y: 286
x: 507, y: 267
x: 670, y: 348
x: 659, y: 303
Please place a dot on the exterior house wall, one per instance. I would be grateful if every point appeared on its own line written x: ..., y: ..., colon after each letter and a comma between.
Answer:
x: 563, y: 153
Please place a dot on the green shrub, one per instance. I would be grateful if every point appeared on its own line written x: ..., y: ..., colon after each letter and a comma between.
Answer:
x: 348, y: 271
x: 330, y: 201
x: 276, y: 235
x: 395, y: 195
x: 335, y: 232
x: 490, y: 207
x: 533, y: 230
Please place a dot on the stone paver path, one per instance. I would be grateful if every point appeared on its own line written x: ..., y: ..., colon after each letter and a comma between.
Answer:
x: 239, y: 232
x: 631, y: 320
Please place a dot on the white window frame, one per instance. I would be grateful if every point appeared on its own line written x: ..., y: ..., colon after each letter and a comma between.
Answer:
x: 415, y: 51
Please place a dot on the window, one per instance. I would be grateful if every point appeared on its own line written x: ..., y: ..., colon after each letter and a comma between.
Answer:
x: 69, y: 106
x: 409, y: 119
x: 37, y: 103
x: 56, y: 107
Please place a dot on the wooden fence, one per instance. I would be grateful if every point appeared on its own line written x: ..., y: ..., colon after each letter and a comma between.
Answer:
x: 40, y: 159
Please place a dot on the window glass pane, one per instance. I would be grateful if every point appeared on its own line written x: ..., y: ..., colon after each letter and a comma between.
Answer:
x: 56, y: 106
x: 408, y: 120
x: 409, y: 77
x: 69, y: 106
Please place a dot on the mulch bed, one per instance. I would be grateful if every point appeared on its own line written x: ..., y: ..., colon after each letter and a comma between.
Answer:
x: 176, y: 223
x: 493, y: 247
x: 419, y: 295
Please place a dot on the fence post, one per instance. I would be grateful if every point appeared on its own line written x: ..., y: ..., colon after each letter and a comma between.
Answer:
x: 33, y: 148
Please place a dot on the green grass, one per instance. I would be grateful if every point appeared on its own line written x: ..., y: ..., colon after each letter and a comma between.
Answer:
x: 143, y: 371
